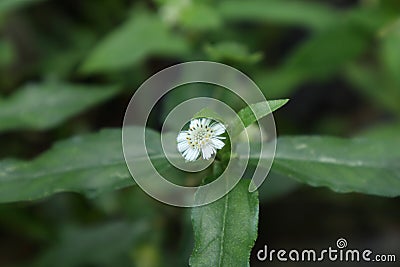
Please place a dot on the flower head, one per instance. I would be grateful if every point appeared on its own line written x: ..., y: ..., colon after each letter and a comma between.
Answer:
x: 203, y: 137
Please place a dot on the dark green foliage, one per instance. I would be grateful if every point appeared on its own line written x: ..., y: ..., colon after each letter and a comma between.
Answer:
x: 69, y: 68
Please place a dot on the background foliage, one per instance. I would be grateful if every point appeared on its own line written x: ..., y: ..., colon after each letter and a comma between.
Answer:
x: 69, y: 68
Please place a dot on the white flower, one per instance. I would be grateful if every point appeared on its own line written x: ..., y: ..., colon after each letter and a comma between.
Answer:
x: 202, y: 137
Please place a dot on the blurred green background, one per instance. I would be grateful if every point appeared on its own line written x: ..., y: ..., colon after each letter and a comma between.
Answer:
x: 69, y: 67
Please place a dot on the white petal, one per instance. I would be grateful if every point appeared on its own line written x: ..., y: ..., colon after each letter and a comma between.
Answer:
x: 218, y: 128
x: 191, y: 154
x: 195, y: 153
x: 213, y: 149
x: 182, y: 146
x: 207, y: 152
x: 207, y: 142
x: 218, y: 144
x: 187, y: 152
x: 194, y: 123
x: 182, y: 136
x: 206, y: 122
x: 184, y: 153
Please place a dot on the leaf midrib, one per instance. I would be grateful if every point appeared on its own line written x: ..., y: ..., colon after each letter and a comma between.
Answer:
x: 339, y: 163
x: 221, y: 251
x: 82, y: 168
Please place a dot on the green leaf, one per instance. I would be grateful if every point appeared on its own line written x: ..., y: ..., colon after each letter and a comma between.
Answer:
x: 90, y: 246
x: 327, y: 52
x: 384, y: 131
x: 189, y: 15
x: 363, y: 165
x: 7, y: 53
x: 367, y: 165
x: 141, y: 36
x: 193, y: 17
x: 225, y: 230
x: 42, y: 106
x: 312, y: 15
x: 361, y: 16
x: 279, y: 83
x: 317, y: 58
x: 248, y: 115
x: 253, y: 113
x: 390, y: 52
x: 88, y: 164
x: 10, y: 5
x: 232, y: 52
x: 62, y: 59
x: 372, y: 83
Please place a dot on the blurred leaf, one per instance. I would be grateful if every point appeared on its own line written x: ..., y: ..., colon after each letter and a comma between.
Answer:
x: 46, y: 105
x: 276, y: 186
x: 141, y: 36
x: 279, y: 83
x: 312, y: 15
x: 319, y: 57
x: 63, y: 57
x: 88, y: 164
x: 231, y: 52
x: 372, y: 18
x: 372, y: 83
x: 326, y: 52
x: 171, y: 10
x: 147, y: 255
x: 369, y: 166
x: 10, y: 5
x: 186, y: 92
x: 390, y: 53
x: 7, y: 53
x: 104, y: 245
x: 190, y: 15
x: 225, y: 230
x: 382, y: 131
x: 193, y: 90
x: 198, y: 16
